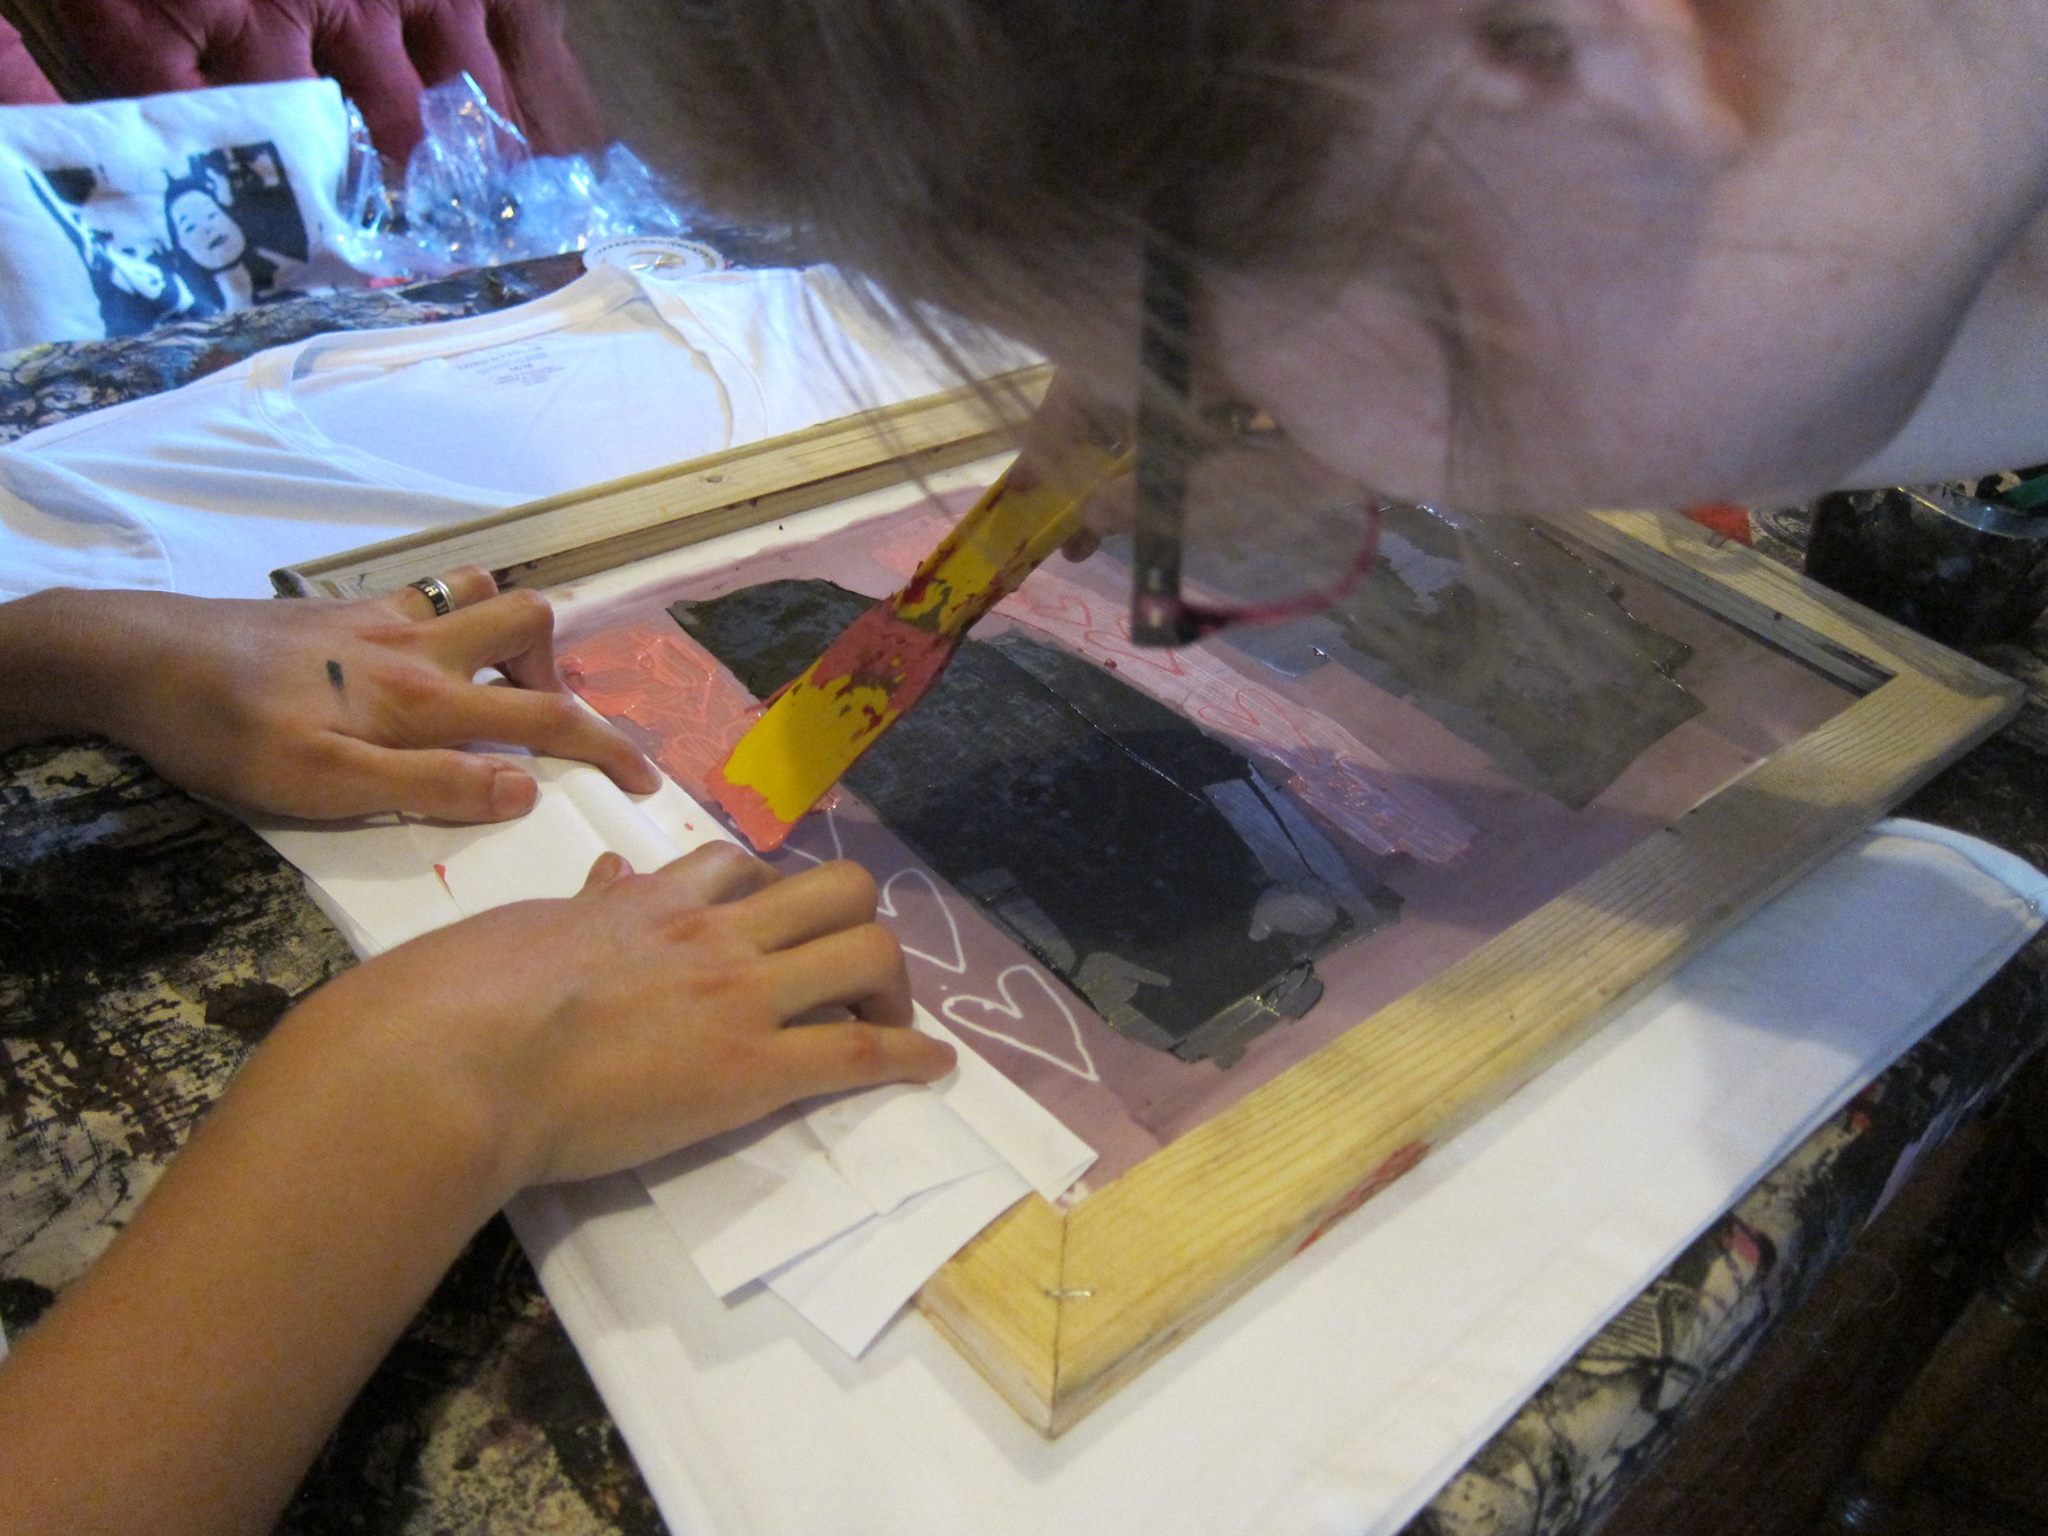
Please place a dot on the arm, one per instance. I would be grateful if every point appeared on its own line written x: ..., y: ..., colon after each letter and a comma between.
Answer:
x: 188, y: 1380
x: 309, y: 708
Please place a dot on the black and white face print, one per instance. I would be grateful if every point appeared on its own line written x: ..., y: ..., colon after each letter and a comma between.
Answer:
x: 222, y: 229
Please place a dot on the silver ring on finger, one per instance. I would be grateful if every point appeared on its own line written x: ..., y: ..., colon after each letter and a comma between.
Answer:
x: 435, y: 591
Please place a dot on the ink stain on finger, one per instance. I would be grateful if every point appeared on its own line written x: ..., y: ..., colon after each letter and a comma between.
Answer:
x: 334, y: 678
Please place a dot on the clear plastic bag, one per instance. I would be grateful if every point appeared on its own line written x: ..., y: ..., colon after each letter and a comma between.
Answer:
x: 475, y: 194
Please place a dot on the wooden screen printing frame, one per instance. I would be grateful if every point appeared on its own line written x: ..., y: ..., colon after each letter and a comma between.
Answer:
x: 1059, y: 1308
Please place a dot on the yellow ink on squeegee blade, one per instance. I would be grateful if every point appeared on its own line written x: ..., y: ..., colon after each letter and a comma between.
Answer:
x: 817, y: 726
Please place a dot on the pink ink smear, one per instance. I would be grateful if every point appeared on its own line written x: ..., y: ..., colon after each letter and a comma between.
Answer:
x: 1744, y: 1245
x: 671, y: 697
x: 749, y: 811
x: 1399, y: 1163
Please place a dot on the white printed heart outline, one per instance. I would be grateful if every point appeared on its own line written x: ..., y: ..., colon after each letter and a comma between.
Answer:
x: 885, y: 900
x: 885, y: 904
x: 1009, y: 1006
x: 838, y: 844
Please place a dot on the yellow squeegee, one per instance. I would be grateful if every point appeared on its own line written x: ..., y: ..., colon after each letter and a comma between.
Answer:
x: 817, y: 726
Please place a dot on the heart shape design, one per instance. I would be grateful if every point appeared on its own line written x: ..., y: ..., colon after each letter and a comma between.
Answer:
x: 1101, y: 632
x: 807, y: 831
x: 886, y: 904
x: 908, y: 925
x: 1010, y: 1008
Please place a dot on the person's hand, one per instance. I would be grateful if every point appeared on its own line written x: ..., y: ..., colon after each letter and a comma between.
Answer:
x: 1068, y: 416
x: 326, y: 709
x: 1111, y: 508
x: 651, y: 1011
x: 389, y: 1116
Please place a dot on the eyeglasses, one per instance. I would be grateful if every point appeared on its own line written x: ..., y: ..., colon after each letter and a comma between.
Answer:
x: 1223, y: 504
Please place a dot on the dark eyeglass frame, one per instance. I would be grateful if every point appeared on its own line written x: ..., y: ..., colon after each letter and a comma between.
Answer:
x: 1161, y: 614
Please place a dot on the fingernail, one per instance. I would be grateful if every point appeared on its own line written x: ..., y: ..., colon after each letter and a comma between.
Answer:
x: 646, y: 778
x: 512, y: 793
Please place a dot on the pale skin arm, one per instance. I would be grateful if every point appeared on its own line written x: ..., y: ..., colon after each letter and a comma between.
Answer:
x: 188, y: 1380
x: 309, y: 708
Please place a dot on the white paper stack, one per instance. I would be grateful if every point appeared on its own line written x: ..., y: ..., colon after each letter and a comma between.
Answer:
x: 844, y: 1208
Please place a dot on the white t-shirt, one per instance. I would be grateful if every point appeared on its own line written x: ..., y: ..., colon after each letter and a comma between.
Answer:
x: 118, y: 215
x: 342, y: 440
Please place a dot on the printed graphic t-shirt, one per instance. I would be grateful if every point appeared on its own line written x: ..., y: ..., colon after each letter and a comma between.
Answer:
x: 339, y: 441
x: 117, y: 215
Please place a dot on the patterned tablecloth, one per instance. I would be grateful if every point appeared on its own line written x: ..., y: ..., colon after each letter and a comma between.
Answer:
x: 147, y: 942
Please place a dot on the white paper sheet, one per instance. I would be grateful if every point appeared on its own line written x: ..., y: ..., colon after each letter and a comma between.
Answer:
x: 1341, y: 1392
x: 850, y: 1288
x: 889, y: 1149
x: 371, y: 878
x: 752, y: 1202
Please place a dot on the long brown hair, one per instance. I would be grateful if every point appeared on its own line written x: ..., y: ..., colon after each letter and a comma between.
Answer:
x: 983, y: 156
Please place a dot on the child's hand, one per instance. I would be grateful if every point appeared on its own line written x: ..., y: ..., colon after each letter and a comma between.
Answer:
x: 1066, y: 417
x: 583, y: 1036
x: 326, y: 709
x: 197, y: 1368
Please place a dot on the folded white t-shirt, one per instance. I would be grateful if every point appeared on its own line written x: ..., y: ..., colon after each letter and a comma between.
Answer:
x: 117, y: 215
x: 343, y: 440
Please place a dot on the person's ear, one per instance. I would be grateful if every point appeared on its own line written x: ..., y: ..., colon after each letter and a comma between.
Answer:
x: 1642, y: 66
